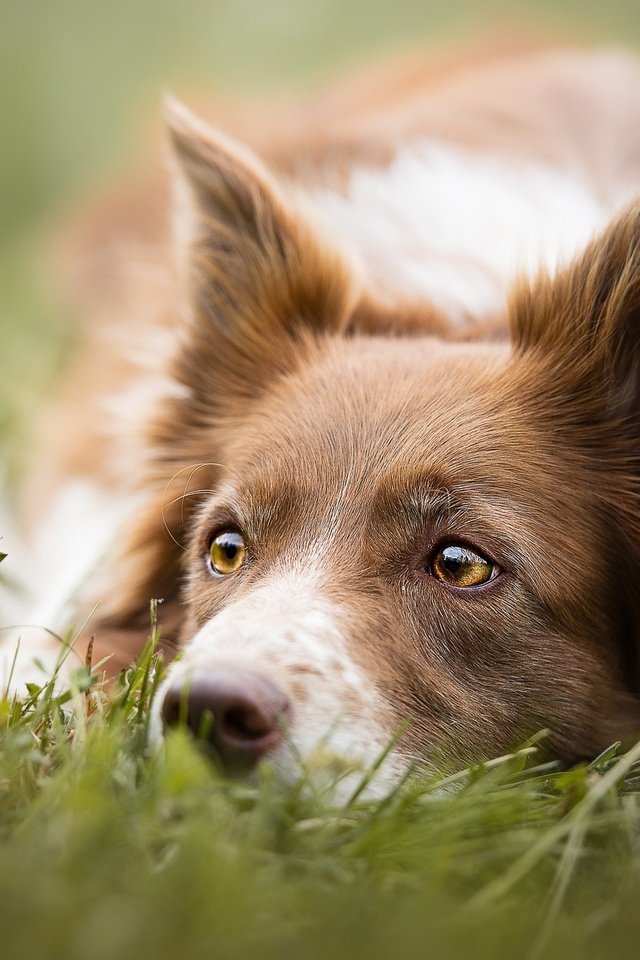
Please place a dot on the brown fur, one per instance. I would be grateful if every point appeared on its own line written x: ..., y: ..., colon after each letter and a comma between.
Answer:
x: 314, y: 401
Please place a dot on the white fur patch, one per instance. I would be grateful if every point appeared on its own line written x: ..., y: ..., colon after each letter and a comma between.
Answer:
x: 457, y: 227
x: 52, y: 574
x: 286, y: 630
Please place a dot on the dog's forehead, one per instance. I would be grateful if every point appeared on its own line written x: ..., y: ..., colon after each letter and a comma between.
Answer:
x: 369, y: 423
x: 367, y: 407
x: 380, y: 443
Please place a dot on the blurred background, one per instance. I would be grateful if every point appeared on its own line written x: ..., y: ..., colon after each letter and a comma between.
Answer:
x: 81, y: 85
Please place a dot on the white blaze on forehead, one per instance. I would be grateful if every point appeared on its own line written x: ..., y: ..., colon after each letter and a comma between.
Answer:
x: 286, y: 629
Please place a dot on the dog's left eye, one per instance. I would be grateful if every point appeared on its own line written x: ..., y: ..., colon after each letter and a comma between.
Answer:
x: 227, y: 552
x: 460, y: 566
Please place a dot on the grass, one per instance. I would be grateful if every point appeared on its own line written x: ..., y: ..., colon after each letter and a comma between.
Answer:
x: 109, y: 849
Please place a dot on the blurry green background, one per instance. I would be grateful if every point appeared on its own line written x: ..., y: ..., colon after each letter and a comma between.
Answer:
x: 79, y: 80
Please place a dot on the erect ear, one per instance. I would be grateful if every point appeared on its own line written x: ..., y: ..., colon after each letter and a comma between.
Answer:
x: 579, y: 335
x: 585, y: 323
x: 260, y: 288
x: 261, y: 282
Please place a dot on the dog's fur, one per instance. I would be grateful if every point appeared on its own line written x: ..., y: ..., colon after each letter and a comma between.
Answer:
x: 408, y: 326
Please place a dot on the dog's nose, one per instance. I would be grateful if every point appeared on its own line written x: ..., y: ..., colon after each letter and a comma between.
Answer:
x: 239, y: 711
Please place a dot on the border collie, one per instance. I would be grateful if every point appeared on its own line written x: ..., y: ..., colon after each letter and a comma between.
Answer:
x: 377, y: 450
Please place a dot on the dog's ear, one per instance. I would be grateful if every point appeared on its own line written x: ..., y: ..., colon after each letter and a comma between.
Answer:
x: 260, y: 289
x: 579, y: 335
x: 261, y: 282
x: 584, y: 324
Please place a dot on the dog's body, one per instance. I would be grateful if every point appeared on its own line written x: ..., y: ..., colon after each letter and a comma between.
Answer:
x: 437, y: 523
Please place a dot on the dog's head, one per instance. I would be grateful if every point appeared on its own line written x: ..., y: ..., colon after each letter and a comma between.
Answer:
x: 360, y: 524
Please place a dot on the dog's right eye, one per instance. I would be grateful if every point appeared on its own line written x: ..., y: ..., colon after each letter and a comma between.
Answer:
x: 227, y: 552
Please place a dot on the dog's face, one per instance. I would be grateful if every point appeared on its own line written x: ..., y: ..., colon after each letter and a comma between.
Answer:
x: 389, y: 533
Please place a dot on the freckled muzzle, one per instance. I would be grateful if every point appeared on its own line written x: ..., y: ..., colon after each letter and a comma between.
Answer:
x: 238, y: 711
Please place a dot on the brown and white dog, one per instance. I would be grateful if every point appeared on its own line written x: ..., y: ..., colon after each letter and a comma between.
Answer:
x: 382, y: 466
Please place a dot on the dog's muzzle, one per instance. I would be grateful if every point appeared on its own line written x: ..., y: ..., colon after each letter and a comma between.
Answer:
x: 237, y: 711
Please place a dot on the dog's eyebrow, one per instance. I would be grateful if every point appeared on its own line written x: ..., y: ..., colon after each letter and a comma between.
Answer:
x: 427, y: 490
x: 253, y: 503
x: 225, y: 493
x: 422, y: 502
x: 434, y: 499
x: 464, y: 508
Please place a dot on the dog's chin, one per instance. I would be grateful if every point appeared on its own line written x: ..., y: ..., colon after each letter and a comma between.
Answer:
x: 334, y: 762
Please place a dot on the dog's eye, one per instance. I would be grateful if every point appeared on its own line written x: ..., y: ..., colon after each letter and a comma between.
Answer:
x: 226, y: 553
x: 460, y: 566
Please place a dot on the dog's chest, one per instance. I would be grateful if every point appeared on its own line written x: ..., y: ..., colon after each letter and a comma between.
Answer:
x: 457, y: 228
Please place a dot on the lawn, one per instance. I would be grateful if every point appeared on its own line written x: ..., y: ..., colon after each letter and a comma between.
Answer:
x: 108, y: 850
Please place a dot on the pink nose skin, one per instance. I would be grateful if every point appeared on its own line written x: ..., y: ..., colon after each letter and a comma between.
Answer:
x: 238, y: 711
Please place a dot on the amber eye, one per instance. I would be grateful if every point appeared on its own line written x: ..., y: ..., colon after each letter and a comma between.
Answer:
x: 227, y: 552
x: 460, y: 566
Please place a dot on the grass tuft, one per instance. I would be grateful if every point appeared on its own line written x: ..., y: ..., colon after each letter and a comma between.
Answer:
x: 113, y: 849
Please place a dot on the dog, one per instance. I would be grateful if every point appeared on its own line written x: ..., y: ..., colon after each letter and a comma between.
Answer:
x: 381, y: 470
